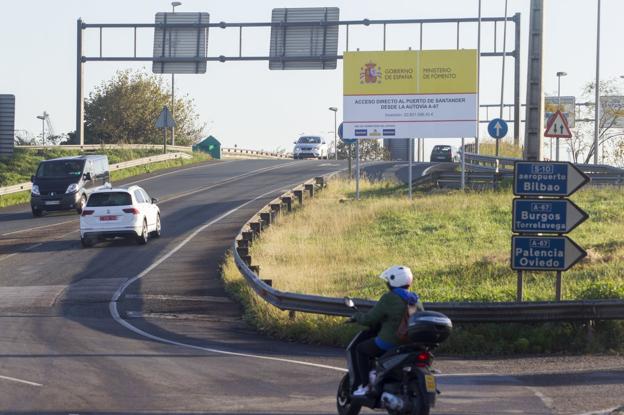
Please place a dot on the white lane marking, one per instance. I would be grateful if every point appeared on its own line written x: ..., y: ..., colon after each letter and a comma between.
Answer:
x: 603, y: 411
x: 37, y: 227
x: 112, y: 306
x: 226, y: 181
x: 548, y: 402
x: 26, y: 382
x: 164, y: 200
x: 37, y: 245
x: 178, y: 171
x: 127, y: 184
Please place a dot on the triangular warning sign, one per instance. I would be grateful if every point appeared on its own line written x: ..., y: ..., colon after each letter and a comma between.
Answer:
x: 557, y: 126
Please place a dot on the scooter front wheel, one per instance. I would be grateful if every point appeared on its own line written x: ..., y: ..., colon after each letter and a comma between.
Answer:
x: 343, y: 399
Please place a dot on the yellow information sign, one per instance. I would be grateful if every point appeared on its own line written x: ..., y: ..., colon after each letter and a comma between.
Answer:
x: 410, y: 72
x: 405, y: 94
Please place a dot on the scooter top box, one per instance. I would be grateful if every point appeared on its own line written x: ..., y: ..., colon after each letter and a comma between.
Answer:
x: 429, y: 327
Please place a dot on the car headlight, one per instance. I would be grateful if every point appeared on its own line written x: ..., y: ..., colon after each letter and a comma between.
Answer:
x: 297, y: 150
x: 35, y: 190
x: 72, y: 188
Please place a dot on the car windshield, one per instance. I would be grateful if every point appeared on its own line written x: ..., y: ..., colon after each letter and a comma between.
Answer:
x: 309, y: 140
x: 60, y: 169
x: 109, y: 199
x: 442, y: 149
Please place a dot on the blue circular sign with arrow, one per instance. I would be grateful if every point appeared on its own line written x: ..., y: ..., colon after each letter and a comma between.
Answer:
x: 498, y: 128
x: 347, y: 141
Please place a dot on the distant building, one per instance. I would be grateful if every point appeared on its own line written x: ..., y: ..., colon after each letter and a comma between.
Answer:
x: 209, y: 145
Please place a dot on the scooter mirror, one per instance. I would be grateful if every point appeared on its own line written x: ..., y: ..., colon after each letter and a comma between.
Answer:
x: 349, y: 302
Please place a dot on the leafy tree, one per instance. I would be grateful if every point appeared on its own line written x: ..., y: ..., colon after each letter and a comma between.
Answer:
x: 125, y: 108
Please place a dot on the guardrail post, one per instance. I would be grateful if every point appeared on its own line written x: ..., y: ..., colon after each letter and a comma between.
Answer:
x: 248, y: 236
x: 266, y: 218
x: 255, y: 269
x: 247, y: 260
x: 256, y: 227
x: 320, y: 181
x: 287, y: 200
x: 276, y: 208
x: 243, y: 243
x: 310, y: 189
x: 292, y: 315
x: 299, y: 196
x: 243, y: 251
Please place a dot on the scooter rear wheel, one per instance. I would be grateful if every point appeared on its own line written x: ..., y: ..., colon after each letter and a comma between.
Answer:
x: 343, y: 399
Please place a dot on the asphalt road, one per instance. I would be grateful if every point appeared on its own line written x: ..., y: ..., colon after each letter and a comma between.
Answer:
x: 122, y: 328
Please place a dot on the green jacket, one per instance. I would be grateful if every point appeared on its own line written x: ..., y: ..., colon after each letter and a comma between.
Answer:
x: 387, y: 315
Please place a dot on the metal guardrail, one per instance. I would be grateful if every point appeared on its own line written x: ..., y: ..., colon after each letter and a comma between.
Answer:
x: 95, y: 147
x: 467, y: 312
x: 116, y: 166
x: 225, y: 151
x: 242, y: 153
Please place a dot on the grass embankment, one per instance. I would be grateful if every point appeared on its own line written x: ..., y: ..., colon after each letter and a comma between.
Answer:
x: 23, y: 164
x: 506, y: 149
x: 458, y: 247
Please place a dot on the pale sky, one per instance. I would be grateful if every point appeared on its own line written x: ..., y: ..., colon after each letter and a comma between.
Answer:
x: 244, y: 103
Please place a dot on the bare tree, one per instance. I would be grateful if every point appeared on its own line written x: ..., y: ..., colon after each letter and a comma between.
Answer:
x: 610, y: 137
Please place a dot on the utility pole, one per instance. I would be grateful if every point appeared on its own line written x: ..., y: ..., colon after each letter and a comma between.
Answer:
x: 533, y: 138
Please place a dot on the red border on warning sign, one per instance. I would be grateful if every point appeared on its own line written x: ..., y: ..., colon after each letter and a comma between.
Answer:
x: 551, y: 121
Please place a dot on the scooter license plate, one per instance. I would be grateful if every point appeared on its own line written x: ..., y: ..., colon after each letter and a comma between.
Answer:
x: 430, y: 383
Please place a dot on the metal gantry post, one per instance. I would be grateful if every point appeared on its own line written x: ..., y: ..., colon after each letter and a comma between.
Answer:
x: 517, y: 120
x: 411, y: 159
x: 535, y: 97
x: 79, y: 85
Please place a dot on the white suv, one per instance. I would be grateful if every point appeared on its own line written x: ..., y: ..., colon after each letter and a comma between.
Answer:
x: 112, y: 213
x: 310, y: 147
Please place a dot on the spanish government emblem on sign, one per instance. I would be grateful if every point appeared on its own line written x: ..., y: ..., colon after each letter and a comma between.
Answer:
x: 370, y: 74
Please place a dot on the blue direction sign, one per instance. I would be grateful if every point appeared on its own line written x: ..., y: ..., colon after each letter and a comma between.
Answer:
x: 544, y: 253
x: 546, y: 216
x: 557, y: 179
x: 497, y: 128
x: 347, y: 141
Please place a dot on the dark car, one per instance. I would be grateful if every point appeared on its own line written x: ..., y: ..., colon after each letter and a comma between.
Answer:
x: 65, y: 183
x: 443, y: 153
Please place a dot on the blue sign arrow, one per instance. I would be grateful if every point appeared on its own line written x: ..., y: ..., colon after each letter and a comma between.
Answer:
x: 544, y: 253
x: 546, y: 216
x: 535, y: 178
x: 347, y: 141
x: 498, y: 128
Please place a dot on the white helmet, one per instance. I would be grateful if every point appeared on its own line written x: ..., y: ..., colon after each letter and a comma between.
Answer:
x: 397, y: 276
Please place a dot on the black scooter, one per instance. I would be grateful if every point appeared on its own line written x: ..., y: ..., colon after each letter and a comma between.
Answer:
x: 405, y: 382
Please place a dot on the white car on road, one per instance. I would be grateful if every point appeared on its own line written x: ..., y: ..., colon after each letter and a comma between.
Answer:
x: 310, y: 146
x: 118, y: 212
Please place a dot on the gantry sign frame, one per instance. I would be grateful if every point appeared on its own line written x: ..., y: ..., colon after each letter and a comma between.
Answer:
x: 81, y: 59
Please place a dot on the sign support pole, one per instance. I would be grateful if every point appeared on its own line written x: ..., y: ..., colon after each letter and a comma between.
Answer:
x: 411, y: 159
x: 558, y: 285
x: 463, y: 164
x: 520, y: 288
x: 357, y: 170
x: 164, y: 141
x: 350, y: 156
